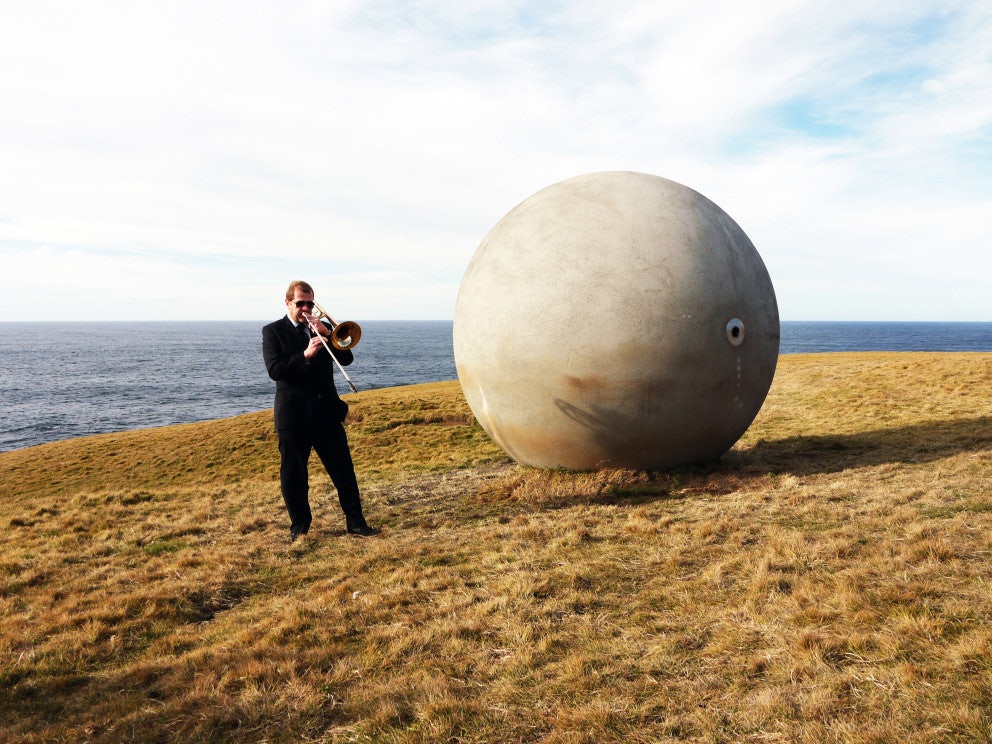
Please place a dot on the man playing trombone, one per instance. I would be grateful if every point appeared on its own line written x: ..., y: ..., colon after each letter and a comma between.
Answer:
x: 309, y: 414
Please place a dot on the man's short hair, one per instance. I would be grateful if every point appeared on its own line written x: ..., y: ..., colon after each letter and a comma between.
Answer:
x: 298, y: 285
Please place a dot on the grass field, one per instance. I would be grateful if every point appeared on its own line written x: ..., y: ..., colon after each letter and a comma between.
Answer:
x: 828, y: 580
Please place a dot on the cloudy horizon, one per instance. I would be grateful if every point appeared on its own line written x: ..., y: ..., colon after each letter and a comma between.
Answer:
x: 176, y: 161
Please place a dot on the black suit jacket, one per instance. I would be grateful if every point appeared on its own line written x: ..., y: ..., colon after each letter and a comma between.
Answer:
x: 305, y: 392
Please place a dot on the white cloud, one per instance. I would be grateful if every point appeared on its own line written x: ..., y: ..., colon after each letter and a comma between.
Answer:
x: 192, y: 148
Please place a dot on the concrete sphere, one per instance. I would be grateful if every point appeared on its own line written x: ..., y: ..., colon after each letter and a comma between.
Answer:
x: 616, y: 320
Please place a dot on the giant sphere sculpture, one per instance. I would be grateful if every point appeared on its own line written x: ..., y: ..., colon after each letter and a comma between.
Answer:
x: 616, y: 320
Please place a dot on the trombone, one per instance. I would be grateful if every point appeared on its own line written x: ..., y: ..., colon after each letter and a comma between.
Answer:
x: 344, y: 336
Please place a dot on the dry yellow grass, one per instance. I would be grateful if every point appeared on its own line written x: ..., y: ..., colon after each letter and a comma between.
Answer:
x: 827, y: 581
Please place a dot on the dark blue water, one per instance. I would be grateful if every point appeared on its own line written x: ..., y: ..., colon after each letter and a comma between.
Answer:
x: 801, y: 337
x: 113, y: 376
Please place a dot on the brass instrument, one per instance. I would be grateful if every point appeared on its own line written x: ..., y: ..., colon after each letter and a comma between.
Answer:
x: 344, y: 336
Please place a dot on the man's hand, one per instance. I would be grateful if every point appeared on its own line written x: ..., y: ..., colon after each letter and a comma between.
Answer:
x: 313, y: 348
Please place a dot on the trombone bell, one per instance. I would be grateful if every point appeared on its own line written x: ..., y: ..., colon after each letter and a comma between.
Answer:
x: 344, y: 335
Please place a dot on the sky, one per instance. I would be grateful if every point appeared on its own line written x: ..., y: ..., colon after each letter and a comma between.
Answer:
x: 172, y: 160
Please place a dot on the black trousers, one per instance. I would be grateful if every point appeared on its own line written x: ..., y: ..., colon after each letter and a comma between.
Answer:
x: 331, y: 445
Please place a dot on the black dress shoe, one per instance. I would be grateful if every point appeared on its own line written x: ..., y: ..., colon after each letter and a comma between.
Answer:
x: 363, y: 530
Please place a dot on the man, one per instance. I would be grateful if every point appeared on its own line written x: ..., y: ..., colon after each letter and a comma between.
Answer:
x: 309, y: 413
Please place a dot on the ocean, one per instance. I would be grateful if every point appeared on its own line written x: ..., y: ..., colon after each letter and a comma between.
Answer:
x: 71, y: 379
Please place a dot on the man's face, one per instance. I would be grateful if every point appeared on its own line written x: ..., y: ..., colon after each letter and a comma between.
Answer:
x: 293, y: 308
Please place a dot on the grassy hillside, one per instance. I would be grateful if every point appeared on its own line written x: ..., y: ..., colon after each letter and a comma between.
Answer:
x: 827, y: 581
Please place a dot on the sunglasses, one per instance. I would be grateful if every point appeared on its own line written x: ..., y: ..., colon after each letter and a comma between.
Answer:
x: 304, y: 303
